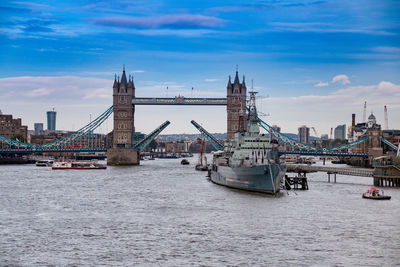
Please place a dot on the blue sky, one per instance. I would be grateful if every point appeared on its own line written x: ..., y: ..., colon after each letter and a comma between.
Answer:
x: 317, y: 61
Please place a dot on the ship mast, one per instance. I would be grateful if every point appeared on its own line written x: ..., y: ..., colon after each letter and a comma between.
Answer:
x: 252, y: 119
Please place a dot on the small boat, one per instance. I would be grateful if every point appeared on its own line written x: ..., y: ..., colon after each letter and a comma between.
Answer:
x: 44, y: 163
x: 375, y: 194
x: 201, y: 167
x: 78, y: 165
x: 202, y: 164
x: 184, y: 162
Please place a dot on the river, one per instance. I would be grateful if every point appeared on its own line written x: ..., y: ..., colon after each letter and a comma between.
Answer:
x: 164, y: 213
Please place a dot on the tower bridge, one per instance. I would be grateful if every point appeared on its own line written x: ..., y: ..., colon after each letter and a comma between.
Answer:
x: 125, y: 149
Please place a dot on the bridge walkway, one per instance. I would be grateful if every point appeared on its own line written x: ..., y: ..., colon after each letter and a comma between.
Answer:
x: 298, y: 168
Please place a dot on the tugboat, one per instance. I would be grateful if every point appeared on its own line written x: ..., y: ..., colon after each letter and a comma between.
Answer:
x: 250, y: 161
x: 377, y: 194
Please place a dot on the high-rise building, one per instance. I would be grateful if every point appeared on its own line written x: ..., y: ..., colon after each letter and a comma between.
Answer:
x: 38, y: 128
x: 304, y: 134
x: 340, y: 132
x: 51, y: 120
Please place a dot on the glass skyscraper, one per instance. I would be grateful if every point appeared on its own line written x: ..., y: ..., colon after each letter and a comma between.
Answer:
x: 51, y: 120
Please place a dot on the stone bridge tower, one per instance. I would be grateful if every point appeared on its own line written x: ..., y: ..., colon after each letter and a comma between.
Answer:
x: 124, y: 111
x: 122, y: 152
x: 236, y: 106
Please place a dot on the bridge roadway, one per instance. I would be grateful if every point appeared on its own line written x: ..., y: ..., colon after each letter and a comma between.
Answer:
x: 330, y: 170
x: 179, y: 100
x: 51, y: 150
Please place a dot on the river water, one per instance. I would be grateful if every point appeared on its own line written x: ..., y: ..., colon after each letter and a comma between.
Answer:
x: 163, y: 213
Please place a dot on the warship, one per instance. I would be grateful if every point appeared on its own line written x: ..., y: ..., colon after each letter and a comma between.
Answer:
x: 250, y: 161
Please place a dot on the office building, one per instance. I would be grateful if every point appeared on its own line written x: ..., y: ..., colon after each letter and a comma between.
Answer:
x: 340, y: 132
x: 38, y: 128
x: 304, y: 134
x: 51, y: 120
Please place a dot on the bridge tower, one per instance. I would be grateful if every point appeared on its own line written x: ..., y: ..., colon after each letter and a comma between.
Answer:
x: 122, y: 152
x: 124, y: 111
x: 236, y: 106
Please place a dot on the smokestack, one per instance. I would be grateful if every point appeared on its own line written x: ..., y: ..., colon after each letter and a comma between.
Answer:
x: 386, y: 119
x: 353, y: 119
x: 365, y: 112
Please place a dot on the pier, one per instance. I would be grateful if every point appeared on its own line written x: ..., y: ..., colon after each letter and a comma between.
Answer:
x: 381, y: 178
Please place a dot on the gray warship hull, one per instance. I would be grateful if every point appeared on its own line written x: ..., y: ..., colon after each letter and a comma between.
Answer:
x: 260, y: 178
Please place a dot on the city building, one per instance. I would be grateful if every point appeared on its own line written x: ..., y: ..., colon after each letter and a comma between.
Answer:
x: 12, y: 128
x: 373, y: 146
x: 51, y: 120
x: 324, y: 137
x: 340, y: 132
x: 38, y: 128
x: 304, y: 134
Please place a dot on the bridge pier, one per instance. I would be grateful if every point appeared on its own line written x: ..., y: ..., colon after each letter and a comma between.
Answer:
x: 122, y: 156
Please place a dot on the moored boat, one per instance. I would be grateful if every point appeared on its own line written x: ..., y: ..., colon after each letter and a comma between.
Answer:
x: 44, y: 163
x: 202, y: 163
x: 78, y: 165
x: 376, y: 194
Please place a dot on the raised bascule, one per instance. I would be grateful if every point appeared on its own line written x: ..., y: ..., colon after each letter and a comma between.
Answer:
x: 125, y: 149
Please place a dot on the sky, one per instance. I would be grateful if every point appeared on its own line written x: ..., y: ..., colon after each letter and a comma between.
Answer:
x: 313, y: 63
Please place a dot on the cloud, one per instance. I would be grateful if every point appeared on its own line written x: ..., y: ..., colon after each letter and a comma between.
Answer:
x: 40, y: 92
x: 60, y: 88
x: 176, y: 21
x: 239, y: 8
x: 343, y: 79
x: 210, y: 80
x: 102, y: 93
x: 321, y: 84
x: 330, y: 110
x: 323, y: 27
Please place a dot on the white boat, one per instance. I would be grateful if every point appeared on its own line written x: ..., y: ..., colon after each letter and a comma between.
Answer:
x: 78, y: 165
x: 44, y: 163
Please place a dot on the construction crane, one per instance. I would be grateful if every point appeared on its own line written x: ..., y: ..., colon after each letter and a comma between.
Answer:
x: 386, y: 119
x: 365, y: 112
x: 315, y: 131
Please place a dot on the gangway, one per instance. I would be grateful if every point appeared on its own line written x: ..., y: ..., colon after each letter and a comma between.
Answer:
x: 213, y: 141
